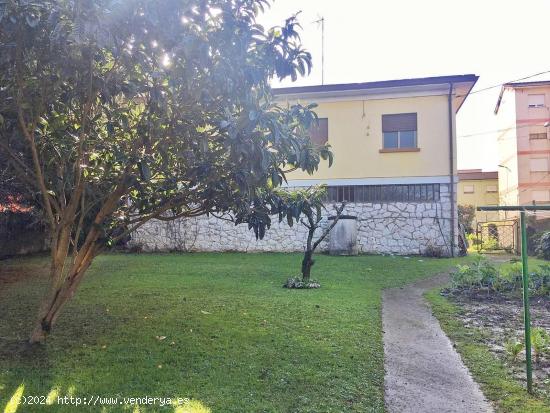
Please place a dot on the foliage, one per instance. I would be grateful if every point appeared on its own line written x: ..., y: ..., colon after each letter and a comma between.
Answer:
x: 490, y: 244
x: 466, y: 216
x: 116, y: 112
x: 472, y: 239
x: 251, y: 352
x: 433, y: 251
x: 299, y: 283
x: 513, y: 348
x: 291, y: 205
x: 540, y: 340
x: 482, y: 274
x: 543, y: 246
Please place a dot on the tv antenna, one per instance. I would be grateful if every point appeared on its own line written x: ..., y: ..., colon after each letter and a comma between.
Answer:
x: 321, y: 21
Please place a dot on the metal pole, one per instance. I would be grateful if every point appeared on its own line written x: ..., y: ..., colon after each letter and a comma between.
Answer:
x: 526, y: 315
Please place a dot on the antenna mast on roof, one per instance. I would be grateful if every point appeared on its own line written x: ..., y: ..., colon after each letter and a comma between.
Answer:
x: 321, y: 21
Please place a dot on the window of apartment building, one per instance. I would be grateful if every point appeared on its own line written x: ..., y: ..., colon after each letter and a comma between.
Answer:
x: 539, y: 135
x: 491, y: 188
x: 399, y: 131
x: 384, y: 193
x: 468, y: 189
x: 539, y: 164
x: 540, y: 196
x: 319, y: 131
x: 535, y: 101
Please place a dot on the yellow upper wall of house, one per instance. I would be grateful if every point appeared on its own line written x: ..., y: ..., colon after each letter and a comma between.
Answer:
x: 355, y: 134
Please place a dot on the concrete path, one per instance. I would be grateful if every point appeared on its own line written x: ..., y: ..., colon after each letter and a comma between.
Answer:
x: 423, y: 371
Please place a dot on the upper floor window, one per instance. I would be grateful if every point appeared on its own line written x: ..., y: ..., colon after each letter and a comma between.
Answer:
x: 539, y: 164
x: 540, y: 196
x: 538, y: 135
x: 319, y: 131
x: 491, y: 188
x: 399, y: 131
x: 468, y: 189
x: 535, y: 101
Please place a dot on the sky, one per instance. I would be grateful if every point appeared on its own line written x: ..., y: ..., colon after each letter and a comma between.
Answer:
x: 370, y: 40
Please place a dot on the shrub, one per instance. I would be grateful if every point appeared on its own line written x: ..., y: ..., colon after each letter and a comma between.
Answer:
x: 466, y: 215
x: 543, y: 247
x: 433, y: 252
x: 472, y: 239
x: 490, y: 244
x: 513, y: 348
x: 481, y: 273
x: 540, y: 339
x: 504, y: 279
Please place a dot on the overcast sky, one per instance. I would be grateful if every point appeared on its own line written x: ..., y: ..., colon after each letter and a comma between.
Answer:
x: 368, y: 40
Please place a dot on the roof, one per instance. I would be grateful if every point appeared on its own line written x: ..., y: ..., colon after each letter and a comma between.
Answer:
x: 518, y: 85
x: 476, y: 175
x: 466, y: 83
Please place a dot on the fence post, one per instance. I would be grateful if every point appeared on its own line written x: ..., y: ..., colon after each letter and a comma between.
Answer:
x: 526, y: 315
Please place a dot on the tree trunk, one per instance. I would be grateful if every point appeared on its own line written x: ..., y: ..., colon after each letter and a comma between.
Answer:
x: 307, y: 263
x: 61, y: 291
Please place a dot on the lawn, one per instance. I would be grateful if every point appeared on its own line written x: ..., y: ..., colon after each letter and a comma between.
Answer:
x: 215, y: 328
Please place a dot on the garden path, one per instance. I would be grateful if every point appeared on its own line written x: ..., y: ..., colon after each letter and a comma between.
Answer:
x: 423, y: 371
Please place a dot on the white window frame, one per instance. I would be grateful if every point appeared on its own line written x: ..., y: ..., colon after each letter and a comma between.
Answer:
x: 533, y: 101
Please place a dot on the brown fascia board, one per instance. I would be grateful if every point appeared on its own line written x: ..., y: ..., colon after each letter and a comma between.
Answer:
x: 477, y: 176
x: 385, y: 84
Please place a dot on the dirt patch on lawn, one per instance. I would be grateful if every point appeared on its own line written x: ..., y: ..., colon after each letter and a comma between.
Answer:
x: 500, y: 319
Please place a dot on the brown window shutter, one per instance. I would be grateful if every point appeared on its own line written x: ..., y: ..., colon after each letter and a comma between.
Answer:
x: 319, y: 131
x: 399, y: 122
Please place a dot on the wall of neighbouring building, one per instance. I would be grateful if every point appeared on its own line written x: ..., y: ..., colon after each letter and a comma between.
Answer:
x: 387, y: 228
x: 482, y: 196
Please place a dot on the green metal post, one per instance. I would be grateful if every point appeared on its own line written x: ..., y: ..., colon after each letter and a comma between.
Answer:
x: 526, y: 315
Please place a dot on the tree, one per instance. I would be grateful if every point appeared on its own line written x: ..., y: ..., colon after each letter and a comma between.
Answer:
x: 466, y: 216
x: 309, y: 203
x: 118, y: 112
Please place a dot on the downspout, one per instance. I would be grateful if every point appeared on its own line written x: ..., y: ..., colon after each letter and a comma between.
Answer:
x: 452, y: 169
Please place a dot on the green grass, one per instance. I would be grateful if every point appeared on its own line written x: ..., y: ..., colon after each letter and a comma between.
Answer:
x: 495, y: 380
x: 235, y: 340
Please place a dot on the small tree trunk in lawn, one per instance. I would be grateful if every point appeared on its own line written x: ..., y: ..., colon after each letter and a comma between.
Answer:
x: 307, y: 263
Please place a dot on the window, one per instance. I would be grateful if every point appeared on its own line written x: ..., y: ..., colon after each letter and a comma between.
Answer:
x: 539, y: 164
x: 468, y: 189
x: 384, y: 193
x: 399, y: 131
x: 540, y: 196
x: 537, y: 135
x: 535, y: 101
x: 491, y: 188
x: 319, y: 131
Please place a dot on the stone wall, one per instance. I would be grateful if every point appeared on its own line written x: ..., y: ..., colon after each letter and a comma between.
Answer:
x: 385, y: 228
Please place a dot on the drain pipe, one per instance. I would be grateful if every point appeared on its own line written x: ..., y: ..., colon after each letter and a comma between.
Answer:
x: 451, y: 169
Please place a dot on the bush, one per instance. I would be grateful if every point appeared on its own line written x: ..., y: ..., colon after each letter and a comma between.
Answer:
x: 543, y: 247
x: 482, y: 274
x: 432, y: 251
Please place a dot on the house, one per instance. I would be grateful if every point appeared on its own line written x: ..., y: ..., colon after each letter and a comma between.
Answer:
x: 523, y: 113
x: 478, y: 188
x: 395, y: 165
